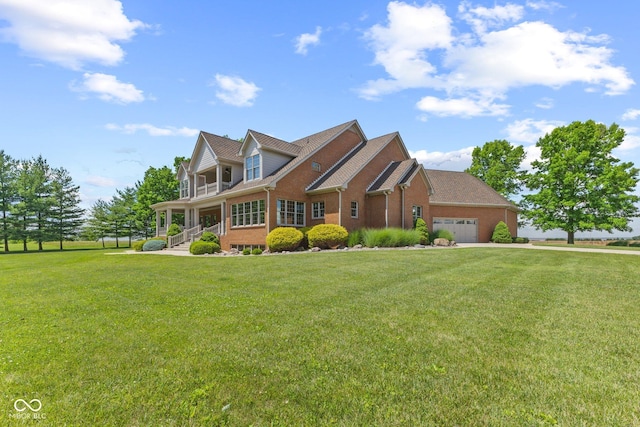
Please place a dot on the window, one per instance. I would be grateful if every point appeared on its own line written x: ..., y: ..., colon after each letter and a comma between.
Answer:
x: 316, y: 166
x: 252, y: 167
x: 354, y: 209
x: 290, y: 212
x: 184, y: 188
x: 417, y: 212
x: 317, y: 210
x: 247, y: 213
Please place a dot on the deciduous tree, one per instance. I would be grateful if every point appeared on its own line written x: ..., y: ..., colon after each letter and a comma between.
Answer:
x: 580, y: 185
x: 498, y: 164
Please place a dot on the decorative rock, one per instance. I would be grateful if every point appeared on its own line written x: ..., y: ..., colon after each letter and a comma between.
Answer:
x: 315, y: 249
x: 440, y: 242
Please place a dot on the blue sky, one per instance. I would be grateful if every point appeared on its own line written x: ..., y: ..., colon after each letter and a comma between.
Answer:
x: 107, y: 88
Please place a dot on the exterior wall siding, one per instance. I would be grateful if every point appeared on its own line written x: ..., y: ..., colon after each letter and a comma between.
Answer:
x: 204, y: 159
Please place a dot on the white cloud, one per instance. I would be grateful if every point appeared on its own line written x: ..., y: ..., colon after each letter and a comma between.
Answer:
x: 235, y: 91
x: 100, y: 181
x: 481, y: 18
x: 153, y: 130
x: 528, y: 131
x: 68, y: 32
x: 631, y: 140
x: 545, y: 103
x: 108, y: 88
x: 461, y: 158
x: 303, y: 41
x: 631, y: 114
x: 465, y: 107
x: 420, y: 48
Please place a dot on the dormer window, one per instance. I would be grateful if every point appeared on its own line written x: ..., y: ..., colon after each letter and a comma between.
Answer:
x: 252, y: 167
x: 184, y: 188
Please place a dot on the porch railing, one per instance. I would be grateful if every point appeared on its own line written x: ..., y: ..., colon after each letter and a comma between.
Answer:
x: 212, y: 188
x: 215, y: 229
x: 185, y: 236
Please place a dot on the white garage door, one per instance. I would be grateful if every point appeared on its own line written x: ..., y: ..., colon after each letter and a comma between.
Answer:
x: 464, y: 229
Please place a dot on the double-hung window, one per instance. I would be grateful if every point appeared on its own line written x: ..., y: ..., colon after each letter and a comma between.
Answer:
x: 354, y: 209
x: 184, y: 188
x: 317, y: 210
x: 417, y: 212
x: 252, y: 167
x: 290, y: 212
x: 247, y: 213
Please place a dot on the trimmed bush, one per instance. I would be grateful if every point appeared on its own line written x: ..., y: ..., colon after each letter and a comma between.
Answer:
x: 520, y: 240
x: 208, y: 236
x: 618, y: 243
x: 421, y: 227
x: 390, y: 237
x: 325, y: 236
x: 137, y: 246
x: 442, y: 234
x: 200, y: 248
x: 256, y: 251
x: 153, y: 245
x: 246, y: 251
x: 501, y: 234
x: 635, y: 245
x: 284, y: 239
x: 174, y: 229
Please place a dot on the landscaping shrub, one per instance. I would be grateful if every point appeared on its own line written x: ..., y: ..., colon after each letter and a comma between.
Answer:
x: 256, y: 251
x: 305, y: 238
x: 501, y: 234
x: 355, y: 238
x: 246, y: 251
x: 421, y: 227
x: 200, y: 248
x: 618, y: 243
x: 390, y: 237
x: 137, y: 246
x: 635, y: 245
x: 154, y: 245
x: 520, y: 240
x: 442, y: 234
x: 174, y: 229
x: 325, y: 236
x: 284, y: 239
x: 208, y: 236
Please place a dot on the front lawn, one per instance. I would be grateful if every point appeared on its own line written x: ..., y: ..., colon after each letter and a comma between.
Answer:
x: 422, y: 337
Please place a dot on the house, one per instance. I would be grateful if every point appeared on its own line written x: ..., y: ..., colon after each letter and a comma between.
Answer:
x: 243, y: 190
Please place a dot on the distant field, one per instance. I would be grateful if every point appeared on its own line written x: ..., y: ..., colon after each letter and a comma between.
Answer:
x: 442, y: 337
x: 55, y: 246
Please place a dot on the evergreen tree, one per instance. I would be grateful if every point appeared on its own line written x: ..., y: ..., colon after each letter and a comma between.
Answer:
x: 66, y: 215
x: 8, y: 175
x: 127, y: 201
x: 97, y: 225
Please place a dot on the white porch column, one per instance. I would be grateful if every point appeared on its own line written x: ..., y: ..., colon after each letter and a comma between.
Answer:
x: 219, y: 178
x: 158, y: 223
x: 339, y: 206
x: 223, y: 217
x: 168, y: 219
x: 196, y: 217
x: 386, y: 209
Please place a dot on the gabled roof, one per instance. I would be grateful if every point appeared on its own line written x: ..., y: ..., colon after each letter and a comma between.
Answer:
x: 399, y: 172
x: 268, y: 142
x: 461, y: 188
x: 339, y: 175
x: 223, y: 148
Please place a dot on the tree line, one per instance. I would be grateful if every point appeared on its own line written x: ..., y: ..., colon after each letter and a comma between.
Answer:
x: 38, y: 202
x: 576, y: 185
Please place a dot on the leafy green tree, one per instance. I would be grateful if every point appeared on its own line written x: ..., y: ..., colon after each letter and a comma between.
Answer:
x: 8, y: 175
x: 497, y: 163
x: 580, y: 185
x: 177, y: 161
x: 158, y: 185
x: 66, y: 214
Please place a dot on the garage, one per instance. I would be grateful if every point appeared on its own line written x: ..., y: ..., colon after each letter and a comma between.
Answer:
x: 465, y: 230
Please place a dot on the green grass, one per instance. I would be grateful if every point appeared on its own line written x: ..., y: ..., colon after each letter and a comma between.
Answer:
x: 467, y: 337
x: 67, y: 246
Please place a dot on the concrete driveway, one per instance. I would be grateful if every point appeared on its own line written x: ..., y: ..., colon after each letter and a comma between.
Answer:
x: 549, y: 248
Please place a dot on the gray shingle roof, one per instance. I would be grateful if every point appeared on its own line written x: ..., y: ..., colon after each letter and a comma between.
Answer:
x: 269, y: 142
x: 395, y: 173
x: 344, y: 170
x: 461, y: 188
x: 224, y: 148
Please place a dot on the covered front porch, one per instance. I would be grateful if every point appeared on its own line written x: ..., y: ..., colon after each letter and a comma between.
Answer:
x: 193, y: 220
